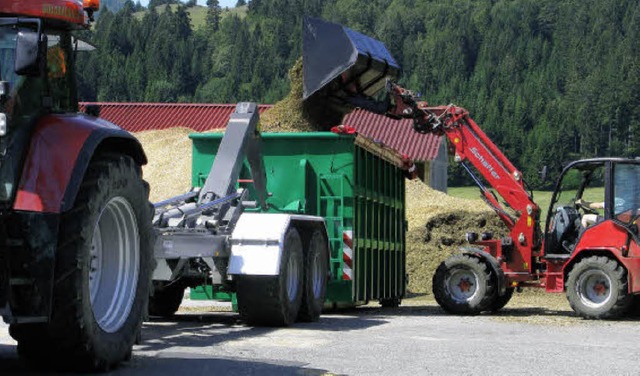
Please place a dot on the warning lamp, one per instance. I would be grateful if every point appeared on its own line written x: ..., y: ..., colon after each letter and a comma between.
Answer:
x: 93, y: 5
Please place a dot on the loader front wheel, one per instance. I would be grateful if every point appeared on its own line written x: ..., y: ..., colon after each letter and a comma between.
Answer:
x: 102, y: 273
x: 274, y: 300
x: 463, y: 285
x: 316, y: 269
x: 597, y: 288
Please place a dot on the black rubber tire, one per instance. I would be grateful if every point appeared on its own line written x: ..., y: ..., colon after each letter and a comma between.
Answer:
x: 501, y: 301
x: 73, y: 339
x: 166, y: 299
x: 464, y: 267
x: 265, y: 300
x: 606, y: 273
x: 316, y: 270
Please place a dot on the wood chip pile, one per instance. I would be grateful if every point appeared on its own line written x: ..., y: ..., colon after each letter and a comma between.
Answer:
x: 168, y: 170
x: 437, y: 227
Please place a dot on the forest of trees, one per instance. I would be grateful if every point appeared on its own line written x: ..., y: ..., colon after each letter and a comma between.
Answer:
x: 549, y: 81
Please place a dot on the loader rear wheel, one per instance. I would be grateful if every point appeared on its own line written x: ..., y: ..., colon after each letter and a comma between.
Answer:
x: 501, y: 301
x: 166, y: 299
x: 316, y: 267
x: 102, y: 273
x: 597, y: 288
x: 274, y: 300
x: 463, y: 285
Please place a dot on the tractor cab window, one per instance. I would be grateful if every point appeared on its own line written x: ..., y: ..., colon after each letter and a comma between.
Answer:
x: 626, y: 192
x: 59, y: 72
x: 29, y: 96
x: 8, y: 36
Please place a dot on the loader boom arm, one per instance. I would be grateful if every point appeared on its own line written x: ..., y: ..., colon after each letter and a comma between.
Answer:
x: 472, y: 145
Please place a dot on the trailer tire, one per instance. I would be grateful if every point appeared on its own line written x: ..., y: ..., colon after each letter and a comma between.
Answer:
x: 597, y: 288
x: 102, y: 273
x: 274, y: 300
x: 316, y: 269
x: 166, y: 299
x: 463, y: 285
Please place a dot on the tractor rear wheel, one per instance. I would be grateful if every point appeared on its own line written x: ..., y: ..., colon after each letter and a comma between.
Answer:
x: 274, y: 300
x: 316, y: 268
x: 597, y: 288
x: 463, y: 285
x: 166, y: 299
x: 102, y: 273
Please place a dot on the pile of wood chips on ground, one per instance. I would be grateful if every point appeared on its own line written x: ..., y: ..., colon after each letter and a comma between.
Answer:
x: 437, y: 222
x: 168, y: 170
x: 437, y: 227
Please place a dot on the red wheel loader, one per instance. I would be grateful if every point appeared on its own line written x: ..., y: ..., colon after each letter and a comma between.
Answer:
x: 590, y: 248
x: 76, y: 237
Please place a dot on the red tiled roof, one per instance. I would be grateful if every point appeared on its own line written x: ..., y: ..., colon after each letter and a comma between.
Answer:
x: 397, y: 134
x: 137, y: 117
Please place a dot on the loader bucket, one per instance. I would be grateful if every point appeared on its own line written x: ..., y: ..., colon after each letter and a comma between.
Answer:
x: 339, y: 64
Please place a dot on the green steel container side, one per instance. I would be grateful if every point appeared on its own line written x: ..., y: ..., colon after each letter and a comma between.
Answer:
x: 360, y: 196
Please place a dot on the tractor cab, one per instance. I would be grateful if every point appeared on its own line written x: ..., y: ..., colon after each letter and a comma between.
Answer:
x: 588, y: 193
x: 36, y: 78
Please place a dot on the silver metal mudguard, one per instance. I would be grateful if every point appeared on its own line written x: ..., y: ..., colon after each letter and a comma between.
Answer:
x: 257, y: 240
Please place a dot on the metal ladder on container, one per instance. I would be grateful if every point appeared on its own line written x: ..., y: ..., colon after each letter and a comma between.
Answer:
x: 331, y: 207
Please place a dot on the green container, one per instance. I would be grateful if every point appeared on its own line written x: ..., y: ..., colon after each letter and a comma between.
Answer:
x: 360, y: 195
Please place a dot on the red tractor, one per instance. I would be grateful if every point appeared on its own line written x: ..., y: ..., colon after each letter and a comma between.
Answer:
x: 76, y: 238
x: 590, y: 248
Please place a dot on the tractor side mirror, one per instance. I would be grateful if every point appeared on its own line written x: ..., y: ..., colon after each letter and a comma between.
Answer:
x: 30, y: 53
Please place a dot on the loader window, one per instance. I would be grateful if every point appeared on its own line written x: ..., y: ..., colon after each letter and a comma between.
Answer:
x: 626, y: 192
x: 578, y: 204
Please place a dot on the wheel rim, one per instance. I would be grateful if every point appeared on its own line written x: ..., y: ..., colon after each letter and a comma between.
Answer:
x: 114, y: 264
x: 594, y: 288
x: 462, y: 285
x: 293, y: 278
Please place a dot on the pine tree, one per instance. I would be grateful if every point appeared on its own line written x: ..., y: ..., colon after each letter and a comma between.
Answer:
x: 213, y: 15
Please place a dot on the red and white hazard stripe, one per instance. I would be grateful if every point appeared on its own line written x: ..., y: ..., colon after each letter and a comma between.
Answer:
x: 347, y: 255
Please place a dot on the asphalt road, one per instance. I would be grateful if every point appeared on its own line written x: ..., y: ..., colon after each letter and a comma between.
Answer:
x: 418, y: 340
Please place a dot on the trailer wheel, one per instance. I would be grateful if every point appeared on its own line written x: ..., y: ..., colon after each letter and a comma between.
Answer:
x: 166, y: 299
x: 274, y: 300
x: 102, y: 273
x: 597, y: 288
x: 501, y: 301
x: 316, y: 268
x: 463, y: 285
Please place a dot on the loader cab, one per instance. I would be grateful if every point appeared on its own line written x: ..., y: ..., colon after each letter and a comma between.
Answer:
x: 588, y: 193
x: 36, y: 78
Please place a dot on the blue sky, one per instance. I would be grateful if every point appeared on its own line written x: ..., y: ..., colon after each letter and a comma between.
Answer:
x: 223, y: 3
